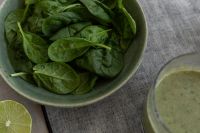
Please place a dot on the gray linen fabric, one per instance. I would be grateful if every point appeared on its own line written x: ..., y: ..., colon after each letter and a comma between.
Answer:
x: 174, y: 29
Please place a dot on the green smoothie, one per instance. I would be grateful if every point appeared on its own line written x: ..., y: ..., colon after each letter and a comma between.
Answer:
x: 177, y: 98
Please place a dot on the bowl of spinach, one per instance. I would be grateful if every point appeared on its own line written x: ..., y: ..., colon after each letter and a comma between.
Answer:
x: 70, y: 53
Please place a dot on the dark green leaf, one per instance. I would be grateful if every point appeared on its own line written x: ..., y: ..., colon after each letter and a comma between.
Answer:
x: 124, y: 23
x: 126, y: 26
x: 56, y: 22
x: 120, y: 41
x: 120, y: 3
x: 46, y: 8
x: 34, y: 46
x: 81, y: 10
x: 35, y: 24
x: 59, y: 78
x: 70, y: 31
x: 37, y: 80
x: 103, y: 62
x: 97, y: 9
x: 110, y: 3
x: 11, y: 28
x: 67, y: 2
x: 87, y: 82
x: 131, y: 21
x: 67, y: 49
x: 94, y: 33
x: 18, y: 58
x: 29, y: 2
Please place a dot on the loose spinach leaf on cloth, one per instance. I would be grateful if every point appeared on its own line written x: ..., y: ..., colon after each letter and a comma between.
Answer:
x: 34, y: 46
x: 87, y: 82
x: 57, y: 21
x: 59, y: 78
x: 70, y: 30
x: 103, y: 62
x: 94, y: 33
x: 97, y: 9
x: 11, y: 27
x: 68, y: 49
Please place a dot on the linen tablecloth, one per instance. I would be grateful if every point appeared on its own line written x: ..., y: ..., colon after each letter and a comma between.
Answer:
x: 174, y: 29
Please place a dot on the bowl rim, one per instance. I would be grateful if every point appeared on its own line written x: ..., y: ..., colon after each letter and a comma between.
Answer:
x: 100, y: 97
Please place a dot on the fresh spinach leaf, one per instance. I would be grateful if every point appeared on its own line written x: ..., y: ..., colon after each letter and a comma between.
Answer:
x: 59, y: 78
x: 126, y: 27
x: 124, y: 23
x: 11, y: 28
x: 110, y: 3
x: 68, y: 49
x: 87, y: 82
x: 18, y: 58
x: 37, y: 80
x: 34, y: 46
x: 97, y: 9
x: 120, y: 41
x: 20, y: 62
x: 70, y: 30
x: 81, y: 10
x: 57, y: 21
x: 103, y: 62
x: 26, y: 10
x: 29, y: 2
x: 47, y: 8
x: 35, y: 24
x: 71, y: 6
x: 120, y: 3
x: 67, y: 2
x: 131, y: 21
x: 94, y: 34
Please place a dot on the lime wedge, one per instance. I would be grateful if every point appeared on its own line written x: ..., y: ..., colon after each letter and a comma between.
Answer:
x: 14, y: 118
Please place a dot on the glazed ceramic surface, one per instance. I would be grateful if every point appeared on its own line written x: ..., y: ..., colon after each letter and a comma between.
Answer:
x: 103, y: 89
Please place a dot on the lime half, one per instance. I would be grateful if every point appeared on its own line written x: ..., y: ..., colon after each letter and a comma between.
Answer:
x: 14, y: 118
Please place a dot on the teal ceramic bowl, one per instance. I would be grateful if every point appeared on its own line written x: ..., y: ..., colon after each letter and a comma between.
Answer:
x: 133, y: 59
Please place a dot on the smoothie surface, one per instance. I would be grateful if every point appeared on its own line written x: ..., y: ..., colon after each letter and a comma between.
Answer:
x: 177, y: 99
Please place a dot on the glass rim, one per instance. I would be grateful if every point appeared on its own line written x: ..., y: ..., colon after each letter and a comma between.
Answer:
x: 151, y: 95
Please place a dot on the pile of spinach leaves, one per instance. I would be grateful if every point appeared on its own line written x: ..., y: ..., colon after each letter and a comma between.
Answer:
x: 64, y: 46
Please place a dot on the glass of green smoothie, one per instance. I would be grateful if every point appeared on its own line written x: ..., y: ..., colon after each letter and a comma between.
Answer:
x: 173, y: 103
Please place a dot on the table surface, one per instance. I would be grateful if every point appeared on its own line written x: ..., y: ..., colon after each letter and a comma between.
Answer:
x: 174, y: 29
